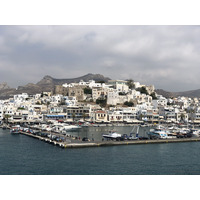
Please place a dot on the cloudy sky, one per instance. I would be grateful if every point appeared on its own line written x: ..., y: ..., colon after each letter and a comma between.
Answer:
x: 166, y: 56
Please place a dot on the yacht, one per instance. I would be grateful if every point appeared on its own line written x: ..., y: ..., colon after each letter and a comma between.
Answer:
x: 159, y: 132
x: 112, y: 135
x: 68, y: 127
x: 195, y: 132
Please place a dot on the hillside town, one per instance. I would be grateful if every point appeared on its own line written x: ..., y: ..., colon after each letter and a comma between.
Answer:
x: 116, y: 101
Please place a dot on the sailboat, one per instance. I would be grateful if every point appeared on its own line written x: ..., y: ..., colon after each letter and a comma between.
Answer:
x: 132, y: 133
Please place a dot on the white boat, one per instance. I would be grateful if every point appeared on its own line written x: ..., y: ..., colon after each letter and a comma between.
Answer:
x: 63, y: 128
x: 195, y: 132
x: 159, y: 132
x: 112, y: 135
x: 133, y: 134
x: 15, y: 129
x: 68, y: 127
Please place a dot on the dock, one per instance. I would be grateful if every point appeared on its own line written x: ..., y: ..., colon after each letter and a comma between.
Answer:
x: 74, y: 143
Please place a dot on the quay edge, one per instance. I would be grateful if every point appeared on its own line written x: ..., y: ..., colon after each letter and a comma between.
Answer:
x: 73, y: 144
x: 117, y: 143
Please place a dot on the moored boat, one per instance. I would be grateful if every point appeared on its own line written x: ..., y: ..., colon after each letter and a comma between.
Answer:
x: 15, y: 130
x: 134, y: 135
x: 112, y: 135
x: 159, y: 132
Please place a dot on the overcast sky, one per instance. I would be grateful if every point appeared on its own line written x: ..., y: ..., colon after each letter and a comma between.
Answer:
x: 166, y: 56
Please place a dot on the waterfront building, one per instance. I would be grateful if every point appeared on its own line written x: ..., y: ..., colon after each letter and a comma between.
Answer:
x: 77, y: 112
x: 182, y: 116
x: 115, y: 116
x: 55, y: 109
x: 168, y: 113
x: 101, y: 116
x: 152, y: 115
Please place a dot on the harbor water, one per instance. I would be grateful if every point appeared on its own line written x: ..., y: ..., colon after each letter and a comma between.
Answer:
x: 20, y: 154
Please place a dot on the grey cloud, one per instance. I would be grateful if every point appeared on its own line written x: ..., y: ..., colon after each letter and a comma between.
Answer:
x: 166, y: 56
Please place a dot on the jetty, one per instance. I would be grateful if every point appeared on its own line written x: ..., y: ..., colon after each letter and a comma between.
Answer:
x: 75, y: 143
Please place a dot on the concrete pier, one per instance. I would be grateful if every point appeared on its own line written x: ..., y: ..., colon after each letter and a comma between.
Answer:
x: 80, y: 144
x: 114, y: 143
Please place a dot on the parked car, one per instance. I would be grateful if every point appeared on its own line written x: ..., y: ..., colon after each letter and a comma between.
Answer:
x: 85, y: 139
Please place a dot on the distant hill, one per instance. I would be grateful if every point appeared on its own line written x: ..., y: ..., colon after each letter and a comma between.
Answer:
x: 4, y: 86
x: 164, y: 93
x: 46, y: 84
x: 191, y: 93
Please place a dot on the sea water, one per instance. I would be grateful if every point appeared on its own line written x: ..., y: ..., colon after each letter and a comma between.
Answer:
x: 20, y: 154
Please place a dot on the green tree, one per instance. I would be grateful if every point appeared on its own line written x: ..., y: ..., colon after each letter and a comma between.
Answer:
x: 143, y: 90
x: 100, y: 81
x: 101, y: 102
x: 20, y: 108
x: 73, y: 116
x: 182, y: 117
x: 87, y: 90
x: 141, y: 116
x: 153, y: 96
x: 129, y: 104
x: 6, y: 117
x: 130, y: 84
x: 62, y: 102
x: 122, y: 93
x: 38, y: 103
x: 84, y: 116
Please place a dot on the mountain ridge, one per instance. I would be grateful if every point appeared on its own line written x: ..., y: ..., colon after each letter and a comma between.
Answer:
x: 189, y: 93
x: 47, y: 84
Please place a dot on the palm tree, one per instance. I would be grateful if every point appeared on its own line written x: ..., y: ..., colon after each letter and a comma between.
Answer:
x: 141, y: 116
x: 47, y: 103
x: 182, y: 117
x: 73, y: 116
x: 84, y: 116
x: 6, y: 116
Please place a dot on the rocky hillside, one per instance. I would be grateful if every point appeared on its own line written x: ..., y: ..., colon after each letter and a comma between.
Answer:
x: 4, y: 86
x: 46, y: 84
x: 191, y: 93
x: 164, y: 93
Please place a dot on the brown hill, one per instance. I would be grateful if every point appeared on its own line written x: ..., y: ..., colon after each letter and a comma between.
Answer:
x: 191, y: 93
x: 47, y: 84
